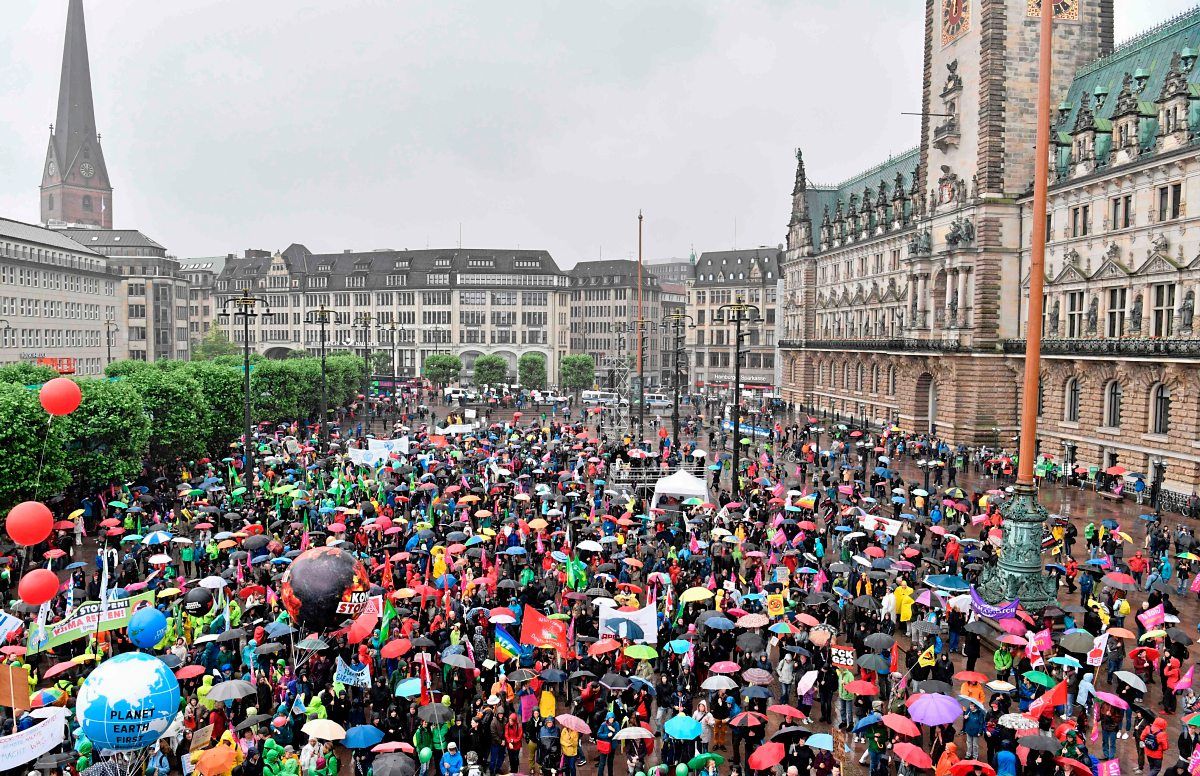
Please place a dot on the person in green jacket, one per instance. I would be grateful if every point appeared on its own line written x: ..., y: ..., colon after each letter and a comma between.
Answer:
x: 846, y: 698
x: 1003, y: 660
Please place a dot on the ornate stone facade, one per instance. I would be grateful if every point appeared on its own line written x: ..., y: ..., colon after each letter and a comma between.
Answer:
x: 900, y: 284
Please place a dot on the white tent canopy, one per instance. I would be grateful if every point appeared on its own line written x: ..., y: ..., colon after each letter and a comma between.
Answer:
x: 681, y: 485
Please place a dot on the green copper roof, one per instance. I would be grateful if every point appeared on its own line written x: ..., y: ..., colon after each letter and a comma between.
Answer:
x: 1148, y: 54
x: 820, y: 197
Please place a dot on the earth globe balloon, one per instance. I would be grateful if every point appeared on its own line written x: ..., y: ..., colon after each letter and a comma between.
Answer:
x: 324, y: 586
x: 147, y: 627
x: 127, y: 702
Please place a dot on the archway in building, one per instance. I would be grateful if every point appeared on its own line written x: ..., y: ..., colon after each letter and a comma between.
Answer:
x: 925, y: 404
x: 277, y: 353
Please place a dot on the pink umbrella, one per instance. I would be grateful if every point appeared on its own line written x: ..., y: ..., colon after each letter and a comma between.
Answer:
x: 1111, y: 700
x: 1013, y: 625
x: 930, y: 599
x: 571, y: 722
x: 935, y: 709
x: 725, y: 667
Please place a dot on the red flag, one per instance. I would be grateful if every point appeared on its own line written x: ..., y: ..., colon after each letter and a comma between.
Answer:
x: 538, y: 630
x: 1057, y: 696
x: 426, y: 691
x: 388, y: 582
x: 362, y: 626
x: 894, y: 665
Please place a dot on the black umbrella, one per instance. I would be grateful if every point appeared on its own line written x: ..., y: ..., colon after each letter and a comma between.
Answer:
x: 879, y: 641
x: 435, y: 713
x: 1041, y: 742
x: 933, y: 686
x: 978, y: 627
x: 750, y: 642
x: 874, y: 663
x: 250, y: 722
x: 614, y: 681
x: 233, y: 634
x: 394, y: 763
x: 1179, y: 637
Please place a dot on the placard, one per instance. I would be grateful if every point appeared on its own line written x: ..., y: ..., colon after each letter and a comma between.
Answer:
x: 88, y: 619
x: 841, y: 656
x: 775, y: 605
x: 14, y: 687
x: 33, y: 742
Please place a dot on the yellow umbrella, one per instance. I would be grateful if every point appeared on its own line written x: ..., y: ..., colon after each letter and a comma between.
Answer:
x: 75, y: 514
x: 168, y: 592
x: 471, y: 499
x: 537, y: 523
x: 693, y: 594
x: 406, y: 592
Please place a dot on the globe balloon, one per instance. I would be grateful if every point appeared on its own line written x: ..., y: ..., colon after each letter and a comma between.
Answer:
x: 38, y: 586
x: 29, y: 523
x: 324, y: 586
x: 198, y: 602
x: 127, y: 702
x: 60, y: 396
x: 147, y: 627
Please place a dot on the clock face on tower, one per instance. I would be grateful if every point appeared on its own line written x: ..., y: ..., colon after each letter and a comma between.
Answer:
x: 87, y: 170
x: 956, y: 20
x: 1063, y: 9
x: 52, y: 169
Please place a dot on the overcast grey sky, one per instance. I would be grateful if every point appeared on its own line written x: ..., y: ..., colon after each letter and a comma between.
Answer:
x: 230, y: 124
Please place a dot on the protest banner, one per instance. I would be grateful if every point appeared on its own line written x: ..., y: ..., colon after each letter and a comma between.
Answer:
x: 88, y: 618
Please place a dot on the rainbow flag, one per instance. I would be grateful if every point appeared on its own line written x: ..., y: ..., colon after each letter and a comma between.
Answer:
x: 507, y: 648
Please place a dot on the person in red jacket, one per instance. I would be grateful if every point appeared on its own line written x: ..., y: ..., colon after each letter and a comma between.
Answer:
x: 1138, y: 566
x: 1154, y: 743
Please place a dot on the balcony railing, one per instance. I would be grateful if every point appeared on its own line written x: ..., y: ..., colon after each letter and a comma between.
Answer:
x: 1189, y: 348
x: 883, y: 343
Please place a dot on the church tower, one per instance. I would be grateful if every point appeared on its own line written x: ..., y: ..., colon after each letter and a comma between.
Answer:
x: 75, y: 187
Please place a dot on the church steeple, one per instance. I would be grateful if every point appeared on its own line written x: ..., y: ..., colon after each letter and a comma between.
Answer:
x: 75, y: 185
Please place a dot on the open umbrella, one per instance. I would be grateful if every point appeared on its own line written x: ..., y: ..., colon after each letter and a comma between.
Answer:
x: 571, y: 722
x: 683, y: 727
x: 967, y: 767
x: 362, y: 737
x: 328, y: 730
x: 767, y: 756
x: 913, y: 755
x: 231, y: 690
x: 935, y: 709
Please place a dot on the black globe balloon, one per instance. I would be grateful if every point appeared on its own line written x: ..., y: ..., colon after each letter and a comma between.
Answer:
x: 198, y: 602
x: 324, y: 586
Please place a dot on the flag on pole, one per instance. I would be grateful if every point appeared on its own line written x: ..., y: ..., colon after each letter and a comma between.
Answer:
x: 507, y: 648
x: 927, y: 658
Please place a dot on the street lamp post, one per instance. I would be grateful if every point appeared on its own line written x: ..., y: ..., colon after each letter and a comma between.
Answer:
x: 677, y: 323
x: 110, y: 327
x: 323, y: 316
x: 391, y: 331
x: 363, y: 321
x: 1160, y: 470
x: 641, y: 326
x: 737, y: 313
x: 244, y: 306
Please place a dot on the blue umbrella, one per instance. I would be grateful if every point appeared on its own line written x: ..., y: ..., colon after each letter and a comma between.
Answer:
x: 1110, y: 524
x: 1056, y: 567
x: 445, y: 581
x: 514, y: 551
x: 844, y: 528
x: 682, y: 727
x: 897, y: 499
x: 947, y: 582
x: 679, y: 646
x: 277, y: 629
x: 863, y: 723
x: 820, y: 741
x: 409, y: 688
x: 157, y: 537
x: 637, y: 682
x: 362, y: 736
x: 76, y: 565
x: 719, y: 623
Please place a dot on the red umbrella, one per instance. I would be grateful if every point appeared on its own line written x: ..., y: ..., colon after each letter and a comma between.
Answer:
x: 901, y: 724
x: 1071, y: 766
x: 966, y: 767
x: 189, y: 672
x: 109, y: 522
x: 767, y: 756
x: 59, y: 668
x: 913, y: 755
x: 747, y: 718
x: 862, y: 687
x: 786, y: 710
x: 971, y: 676
x: 396, y: 648
x: 603, y: 646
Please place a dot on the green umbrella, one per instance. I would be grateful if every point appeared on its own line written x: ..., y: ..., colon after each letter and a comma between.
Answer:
x: 195, y: 492
x: 237, y: 491
x: 1040, y: 677
x: 118, y: 505
x: 641, y: 652
x: 699, y: 761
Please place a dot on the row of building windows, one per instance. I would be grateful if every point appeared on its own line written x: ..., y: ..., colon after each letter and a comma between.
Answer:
x: 48, y: 308
x: 1116, y: 312
x: 18, y: 337
x: 853, y: 379
x: 1168, y: 206
x: 47, y: 256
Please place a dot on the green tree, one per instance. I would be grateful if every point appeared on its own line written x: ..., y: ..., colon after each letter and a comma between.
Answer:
x: 346, y: 375
x: 178, y: 413
x: 33, y: 448
x: 381, y: 362
x: 126, y: 367
x: 577, y: 372
x: 107, y: 437
x: 223, y: 393
x: 531, y: 367
x: 442, y: 369
x: 26, y: 374
x: 489, y: 370
x: 214, y: 343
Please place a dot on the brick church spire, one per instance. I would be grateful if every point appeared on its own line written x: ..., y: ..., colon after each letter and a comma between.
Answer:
x: 75, y: 186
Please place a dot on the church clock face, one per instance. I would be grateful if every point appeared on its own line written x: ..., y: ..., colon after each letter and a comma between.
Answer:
x: 87, y: 170
x: 1063, y: 9
x: 956, y: 20
x: 52, y: 169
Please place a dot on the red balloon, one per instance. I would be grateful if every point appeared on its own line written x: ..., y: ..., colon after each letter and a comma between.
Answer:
x: 38, y: 586
x: 29, y: 523
x: 60, y: 396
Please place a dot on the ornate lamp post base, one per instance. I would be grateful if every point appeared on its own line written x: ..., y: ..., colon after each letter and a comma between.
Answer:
x: 1019, y: 572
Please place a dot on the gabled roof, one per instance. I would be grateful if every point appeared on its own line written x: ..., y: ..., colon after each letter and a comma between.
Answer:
x: 50, y: 238
x: 111, y: 238
x: 1149, y: 53
x: 754, y: 263
x: 819, y: 197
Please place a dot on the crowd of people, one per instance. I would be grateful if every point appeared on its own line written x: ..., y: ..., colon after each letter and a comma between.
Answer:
x: 528, y: 607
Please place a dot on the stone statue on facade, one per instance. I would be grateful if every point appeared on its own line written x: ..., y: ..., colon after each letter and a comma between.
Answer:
x: 1187, y: 311
x: 1135, y: 316
x: 962, y: 232
x: 1054, y: 310
x: 974, y: 187
x: 1093, y: 315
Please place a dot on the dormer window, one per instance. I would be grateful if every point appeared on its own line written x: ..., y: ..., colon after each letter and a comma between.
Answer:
x: 441, y: 263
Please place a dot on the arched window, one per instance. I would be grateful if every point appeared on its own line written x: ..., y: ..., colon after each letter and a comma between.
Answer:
x: 875, y: 378
x: 1112, y: 404
x: 1160, y: 409
x: 1071, y: 401
x: 846, y: 375
x: 858, y: 378
x: 51, y: 202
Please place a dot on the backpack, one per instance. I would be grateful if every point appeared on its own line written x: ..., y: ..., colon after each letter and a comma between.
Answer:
x: 1150, y: 741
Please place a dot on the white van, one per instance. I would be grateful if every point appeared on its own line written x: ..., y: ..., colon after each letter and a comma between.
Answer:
x: 599, y: 398
x: 657, y: 401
